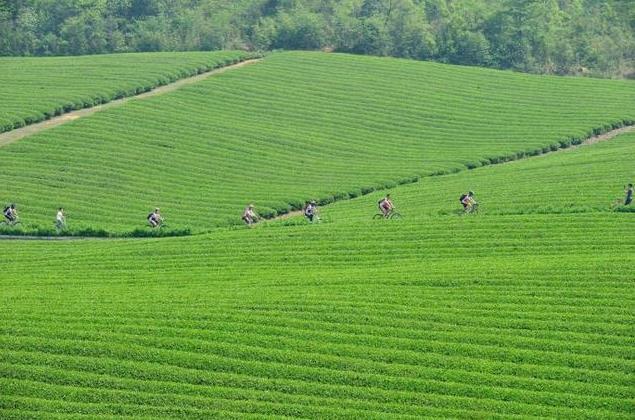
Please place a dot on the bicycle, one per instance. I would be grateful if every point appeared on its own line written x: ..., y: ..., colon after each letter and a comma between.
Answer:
x: 392, y: 214
x: 11, y: 223
x: 473, y: 209
x: 161, y: 225
x: 314, y: 219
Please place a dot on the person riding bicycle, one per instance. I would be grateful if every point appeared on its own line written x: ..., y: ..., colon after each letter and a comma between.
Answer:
x: 468, y: 201
x: 629, y: 194
x: 249, y: 215
x: 10, y: 213
x: 310, y: 210
x: 60, y: 219
x: 155, y: 219
x: 386, y: 205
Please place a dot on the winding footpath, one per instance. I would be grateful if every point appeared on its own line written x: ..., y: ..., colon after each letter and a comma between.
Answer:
x: 20, y: 133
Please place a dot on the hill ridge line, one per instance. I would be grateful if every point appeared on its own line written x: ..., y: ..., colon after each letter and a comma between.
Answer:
x: 12, y: 136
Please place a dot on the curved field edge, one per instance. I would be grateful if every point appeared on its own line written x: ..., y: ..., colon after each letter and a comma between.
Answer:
x: 214, y: 61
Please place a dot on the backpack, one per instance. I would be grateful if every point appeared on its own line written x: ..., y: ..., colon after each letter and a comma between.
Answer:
x: 6, y: 210
x: 150, y: 216
x: 462, y: 198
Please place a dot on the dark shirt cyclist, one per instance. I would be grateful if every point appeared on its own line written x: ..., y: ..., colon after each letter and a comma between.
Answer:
x: 10, y: 213
x: 310, y: 210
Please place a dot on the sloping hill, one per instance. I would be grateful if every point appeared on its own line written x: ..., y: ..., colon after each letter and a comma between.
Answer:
x: 508, y: 315
x: 35, y: 89
x: 296, y: 126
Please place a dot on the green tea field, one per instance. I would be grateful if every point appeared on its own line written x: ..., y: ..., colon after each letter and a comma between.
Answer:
x: 293, y: 127
x: 523, y: 310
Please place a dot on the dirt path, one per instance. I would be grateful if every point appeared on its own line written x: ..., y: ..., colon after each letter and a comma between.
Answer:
x: 20, y: 133
x: 602, y: 137
x: 588, y: 142
x: 286, y: 216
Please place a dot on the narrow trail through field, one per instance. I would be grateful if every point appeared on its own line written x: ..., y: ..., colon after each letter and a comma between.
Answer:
x: 20, y: 133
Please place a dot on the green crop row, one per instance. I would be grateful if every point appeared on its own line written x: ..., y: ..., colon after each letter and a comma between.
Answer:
x: 293, y: 127
x: 518, y: 315
x: 36, y: 89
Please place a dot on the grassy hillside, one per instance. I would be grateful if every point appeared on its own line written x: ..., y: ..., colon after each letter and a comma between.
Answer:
x: 34, y: 89
x: 497, y: 315
x: 586, y: 179
x: 514, y: 315
x: 296, y: 126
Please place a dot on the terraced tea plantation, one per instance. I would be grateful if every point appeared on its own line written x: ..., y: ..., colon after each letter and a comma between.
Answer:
x: 293, y: 127
x: 35, y: 89
x: 525, y: 309
x: 457, y: 317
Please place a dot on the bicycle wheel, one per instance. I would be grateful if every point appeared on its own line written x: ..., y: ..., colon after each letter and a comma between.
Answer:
x: 395, y: 215
x: 378, y: 216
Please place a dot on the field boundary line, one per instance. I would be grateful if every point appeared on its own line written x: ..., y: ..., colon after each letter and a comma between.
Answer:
x: 14, y: 135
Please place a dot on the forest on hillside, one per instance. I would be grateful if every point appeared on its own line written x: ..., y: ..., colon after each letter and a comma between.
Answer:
x: 566, y: 37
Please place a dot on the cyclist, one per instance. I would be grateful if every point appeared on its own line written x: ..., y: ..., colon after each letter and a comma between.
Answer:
x: 386, y: 205
x: 629, y: 194
x: 468, y: 201
x: 10, y: 213
x: 249, y: 215
x: 155, y: 219
x: 60, y: 219
x: 310, y: 210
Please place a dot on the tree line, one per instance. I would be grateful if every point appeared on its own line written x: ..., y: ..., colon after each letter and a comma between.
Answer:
x: 592, y: 37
